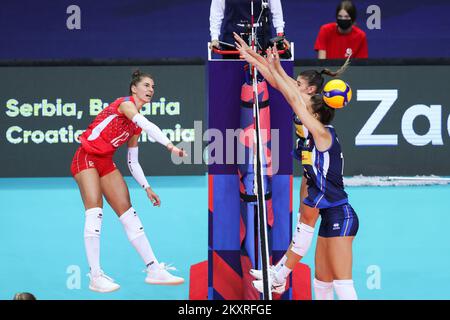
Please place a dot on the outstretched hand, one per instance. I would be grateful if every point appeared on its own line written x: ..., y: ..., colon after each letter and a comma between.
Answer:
x: 269, y: 57
x: 153, y: 197
x: 244, y: 50
x: 243, y: 47
x: 272, y: 58
x: 177, y: 151
x: 240, y: 43
x: 276, y: 56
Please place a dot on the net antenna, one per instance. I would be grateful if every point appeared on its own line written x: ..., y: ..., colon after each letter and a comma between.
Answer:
x: 259, y: 187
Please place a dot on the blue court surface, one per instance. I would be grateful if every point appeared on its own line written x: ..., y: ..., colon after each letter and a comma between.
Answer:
x: 401, y: 250
x: 42, y: 247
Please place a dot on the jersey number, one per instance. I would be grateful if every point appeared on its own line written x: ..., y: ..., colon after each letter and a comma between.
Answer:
x: 116, y: 142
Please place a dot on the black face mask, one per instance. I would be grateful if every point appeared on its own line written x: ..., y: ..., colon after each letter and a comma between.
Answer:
x: 344, y: 24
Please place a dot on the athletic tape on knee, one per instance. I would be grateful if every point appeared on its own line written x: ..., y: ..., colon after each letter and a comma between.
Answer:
x: 132, y: 224
x: 345, y: 289
x: 301, y: 241
x: 93, y: 222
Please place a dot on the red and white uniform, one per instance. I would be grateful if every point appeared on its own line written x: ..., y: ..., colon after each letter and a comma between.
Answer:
x: 109, y: 130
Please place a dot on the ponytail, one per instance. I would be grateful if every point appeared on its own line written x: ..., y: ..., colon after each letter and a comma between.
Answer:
x: 340, y: 71
x: 316, y: 79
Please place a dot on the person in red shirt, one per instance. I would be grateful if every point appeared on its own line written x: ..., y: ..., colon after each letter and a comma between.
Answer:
x: 96, y: 175
x: 341, y: 39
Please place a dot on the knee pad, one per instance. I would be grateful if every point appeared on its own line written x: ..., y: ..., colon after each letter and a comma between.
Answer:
x: 301, y: 241
x: 132, y: 224
x: 93, y: 223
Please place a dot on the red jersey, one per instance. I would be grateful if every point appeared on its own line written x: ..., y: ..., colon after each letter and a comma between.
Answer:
x: 338, y: 45
x: 109, y: 130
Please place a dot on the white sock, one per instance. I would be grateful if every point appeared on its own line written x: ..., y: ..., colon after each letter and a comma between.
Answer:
x: 281, y: 263
x: 323, y: 290
x: 135, y: 233
x: 345, y: 289
x: 143, y: 247
x: 282, y: 274
x: 92, y: 230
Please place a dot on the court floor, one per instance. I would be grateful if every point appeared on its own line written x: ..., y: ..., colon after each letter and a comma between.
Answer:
x: 42, y: 247
x: 402, y: 249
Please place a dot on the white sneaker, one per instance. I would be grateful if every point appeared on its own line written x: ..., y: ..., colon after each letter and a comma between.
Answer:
x: 102, y: 283
x: 258, y: 275
x: 160, y: 275
x: 276, y: 287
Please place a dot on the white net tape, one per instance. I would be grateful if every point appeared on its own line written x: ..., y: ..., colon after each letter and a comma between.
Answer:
x: 357, y: 181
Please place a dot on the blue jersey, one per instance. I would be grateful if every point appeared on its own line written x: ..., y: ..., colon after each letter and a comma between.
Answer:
x: 324, y: 171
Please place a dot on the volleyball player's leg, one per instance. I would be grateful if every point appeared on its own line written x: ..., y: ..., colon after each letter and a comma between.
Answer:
x: 323, y: 278
x: 302, y: 239
x: 303, y: 232
x: 303, y: 235
x: 340, y: 259
x: 116, y: 193
x: 89, y: 185
x: 301, y: 242
x: 340, y: 251
x: 88, y: 181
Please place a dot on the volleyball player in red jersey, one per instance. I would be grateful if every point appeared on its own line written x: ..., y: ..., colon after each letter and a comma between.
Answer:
x: 96, y: 175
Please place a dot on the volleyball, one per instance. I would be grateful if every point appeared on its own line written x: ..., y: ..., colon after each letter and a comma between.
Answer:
x: 337, y: 93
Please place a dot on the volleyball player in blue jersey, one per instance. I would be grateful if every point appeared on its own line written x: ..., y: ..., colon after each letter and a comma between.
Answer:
x: 322, y: 160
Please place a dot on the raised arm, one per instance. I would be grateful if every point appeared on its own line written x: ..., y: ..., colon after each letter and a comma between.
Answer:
x: 283, y: 74
x: 298, y: 102
x: 254, y: 59
x: 257, y: 60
